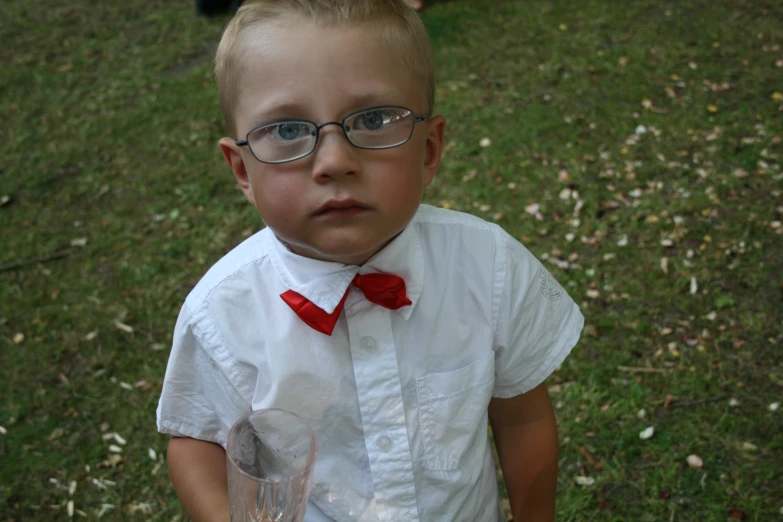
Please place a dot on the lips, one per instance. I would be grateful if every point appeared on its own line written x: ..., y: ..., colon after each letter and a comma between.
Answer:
x: 341, y: 208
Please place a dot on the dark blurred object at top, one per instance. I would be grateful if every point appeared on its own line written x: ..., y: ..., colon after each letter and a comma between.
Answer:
x: 216, y: 7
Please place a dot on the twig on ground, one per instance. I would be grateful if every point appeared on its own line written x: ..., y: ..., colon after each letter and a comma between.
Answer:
x: 676, y: 403
x: 642, y: 369
x: 33, y: 260
x: 590, y: 459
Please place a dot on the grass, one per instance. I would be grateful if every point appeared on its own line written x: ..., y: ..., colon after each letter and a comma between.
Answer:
x: 657, y: 122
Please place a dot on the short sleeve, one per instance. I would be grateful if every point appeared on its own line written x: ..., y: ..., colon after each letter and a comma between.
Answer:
x: 537, y: 323
x: 198, y: 400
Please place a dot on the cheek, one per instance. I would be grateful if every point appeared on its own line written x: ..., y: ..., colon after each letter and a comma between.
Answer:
x: 278, y: 198
x: 404, y: 180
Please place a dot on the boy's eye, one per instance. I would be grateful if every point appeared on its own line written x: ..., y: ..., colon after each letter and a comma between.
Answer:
x: 289, y: 131
x: 372, y: 120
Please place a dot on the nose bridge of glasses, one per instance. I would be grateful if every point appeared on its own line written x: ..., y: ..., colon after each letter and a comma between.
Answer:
x: 338, y: 123
x: 344, y: 128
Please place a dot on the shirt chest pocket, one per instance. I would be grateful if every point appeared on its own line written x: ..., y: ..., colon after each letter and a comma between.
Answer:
x: 453, y: 412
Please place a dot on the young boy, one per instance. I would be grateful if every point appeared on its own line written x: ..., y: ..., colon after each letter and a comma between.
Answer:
x: 398, y: 330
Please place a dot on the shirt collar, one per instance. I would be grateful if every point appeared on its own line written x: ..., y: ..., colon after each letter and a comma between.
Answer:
x: 324, y: 282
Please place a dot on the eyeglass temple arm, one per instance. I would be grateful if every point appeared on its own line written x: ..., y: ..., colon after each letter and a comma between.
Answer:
x: 241, y: 143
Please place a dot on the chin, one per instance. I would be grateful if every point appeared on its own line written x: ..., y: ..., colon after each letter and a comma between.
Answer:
x: 348, y: 253
x: 346, y: 248
x: 351, y: 257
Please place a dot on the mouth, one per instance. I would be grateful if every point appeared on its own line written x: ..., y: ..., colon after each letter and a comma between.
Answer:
x: 341, y: 208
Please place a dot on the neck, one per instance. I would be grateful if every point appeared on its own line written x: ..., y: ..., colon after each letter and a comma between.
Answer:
x: 357, y: 260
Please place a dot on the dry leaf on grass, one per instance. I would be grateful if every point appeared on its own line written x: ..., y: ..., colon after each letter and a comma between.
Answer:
x: 584, y: 481
x: 124, y: 327
x: 694, y: 461
x: 105, y: 508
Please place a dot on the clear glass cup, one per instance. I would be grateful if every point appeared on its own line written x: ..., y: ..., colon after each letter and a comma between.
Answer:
x: 270, y: 457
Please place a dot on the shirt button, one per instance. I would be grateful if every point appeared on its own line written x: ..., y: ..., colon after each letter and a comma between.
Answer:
x: 368, y: 343
x: 384, y: 443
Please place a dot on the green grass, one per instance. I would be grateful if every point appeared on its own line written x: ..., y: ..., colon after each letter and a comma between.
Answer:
x: 109, y: 125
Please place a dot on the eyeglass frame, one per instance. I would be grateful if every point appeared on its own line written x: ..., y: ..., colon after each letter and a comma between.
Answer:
x: 341, y: 124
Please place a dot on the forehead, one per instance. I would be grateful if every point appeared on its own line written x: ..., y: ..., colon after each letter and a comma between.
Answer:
x: 320, y: 72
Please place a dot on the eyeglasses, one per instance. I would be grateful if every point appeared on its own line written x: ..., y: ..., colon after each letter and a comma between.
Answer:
x: 289, y: 140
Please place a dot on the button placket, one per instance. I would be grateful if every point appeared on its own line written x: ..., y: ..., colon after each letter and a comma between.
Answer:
x: 382, y: 411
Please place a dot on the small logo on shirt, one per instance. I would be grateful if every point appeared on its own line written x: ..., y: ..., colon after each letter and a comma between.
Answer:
x: 549, y: 286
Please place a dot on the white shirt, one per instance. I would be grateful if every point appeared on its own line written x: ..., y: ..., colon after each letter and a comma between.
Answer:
x: 398, y: 398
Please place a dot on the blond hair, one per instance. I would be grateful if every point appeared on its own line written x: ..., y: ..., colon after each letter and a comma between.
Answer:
x: 403, y: 29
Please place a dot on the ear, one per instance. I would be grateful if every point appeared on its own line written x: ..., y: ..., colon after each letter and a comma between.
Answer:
x: 433, y: 147
x: 233, y: 154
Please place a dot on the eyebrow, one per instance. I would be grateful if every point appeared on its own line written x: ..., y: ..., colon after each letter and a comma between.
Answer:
x: 284, y: 111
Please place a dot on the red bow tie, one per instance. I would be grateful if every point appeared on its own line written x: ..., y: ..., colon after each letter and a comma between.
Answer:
x: 384, y: 289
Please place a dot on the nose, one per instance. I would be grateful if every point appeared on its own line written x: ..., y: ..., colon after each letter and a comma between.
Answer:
x: 334, y: 156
